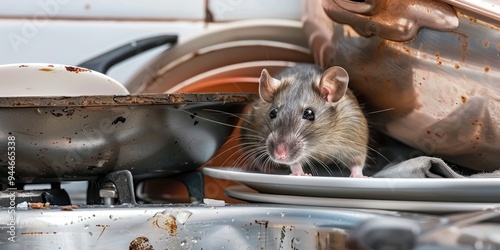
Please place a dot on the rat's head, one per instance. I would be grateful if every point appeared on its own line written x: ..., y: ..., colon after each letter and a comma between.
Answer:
x: 301, y: 103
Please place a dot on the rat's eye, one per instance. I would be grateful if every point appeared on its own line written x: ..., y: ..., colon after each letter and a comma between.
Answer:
x: 273, y: 113
x: 308, y: 114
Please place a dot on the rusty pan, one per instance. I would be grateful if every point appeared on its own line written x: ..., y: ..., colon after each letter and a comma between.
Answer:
x: 76, y: 138
x: 428, y: 71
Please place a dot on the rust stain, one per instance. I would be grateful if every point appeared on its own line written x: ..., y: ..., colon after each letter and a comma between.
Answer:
x: 46, y: 69
x: 102, y: 231
x: 140, y: 243
x: 71, y: 207
x: 264, y: 223
x: 464, y: 40
x: 486, y: 44
x: 464, y: 99
x: 438, y: 59
x: 498, y: 46
x: 140, y: 99
x: 23, y: 66
x: 486, y: 69
x: 39, y: 205
x: 76, y: 69
x: 473, y: 19
x: 38, y: 233
x: 457, y: 66
x: 381, y: 45
x: 167, y: 222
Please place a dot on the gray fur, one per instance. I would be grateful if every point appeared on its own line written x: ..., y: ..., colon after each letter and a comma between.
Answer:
x: 339, y: 131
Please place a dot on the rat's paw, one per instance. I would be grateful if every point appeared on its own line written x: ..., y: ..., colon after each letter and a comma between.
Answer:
x: 358, y: 176
x: 357, y: 172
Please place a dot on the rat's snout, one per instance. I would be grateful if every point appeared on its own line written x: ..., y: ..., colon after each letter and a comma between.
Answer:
x: 281, y: 151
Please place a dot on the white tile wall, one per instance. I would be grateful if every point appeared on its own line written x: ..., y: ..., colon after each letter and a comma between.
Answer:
x: 226, y: 10
x: 72, y: 31
x: 143, y: 9
x: 73, y: 42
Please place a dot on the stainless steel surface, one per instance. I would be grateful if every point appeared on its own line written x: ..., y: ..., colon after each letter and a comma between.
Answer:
x: 401, y: 233
x: 437, y: 92
x: 487, y: 8
x: 76, y: 138
x: 227, y: 227
x: 460, y: 220
x: 187, y: 227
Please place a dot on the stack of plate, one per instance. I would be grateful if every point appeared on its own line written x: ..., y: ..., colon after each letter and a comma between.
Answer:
x: 399, y: 194
x: 226, y: 58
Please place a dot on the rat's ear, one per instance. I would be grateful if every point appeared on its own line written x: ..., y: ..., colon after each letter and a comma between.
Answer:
x: 333, y: 84
x: 267, y: 86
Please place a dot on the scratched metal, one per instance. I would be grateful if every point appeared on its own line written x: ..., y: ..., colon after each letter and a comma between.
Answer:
x: 72, y: 138
x: 438, y: 92
x: 125, y: 100
x: 186, y: 227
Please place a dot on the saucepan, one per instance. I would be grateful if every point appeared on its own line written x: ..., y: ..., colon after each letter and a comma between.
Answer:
x: 427, y: 71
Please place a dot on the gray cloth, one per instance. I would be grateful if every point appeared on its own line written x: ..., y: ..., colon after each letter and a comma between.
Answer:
x: 426, y: 167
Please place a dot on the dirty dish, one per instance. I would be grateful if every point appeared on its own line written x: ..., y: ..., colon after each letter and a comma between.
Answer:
x: 413, y: 189
x: 434, y: 207
x: 43, y: 79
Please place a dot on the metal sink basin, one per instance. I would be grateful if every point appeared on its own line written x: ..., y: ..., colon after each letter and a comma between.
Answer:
x: 202, y: 227
x: 183, y: 227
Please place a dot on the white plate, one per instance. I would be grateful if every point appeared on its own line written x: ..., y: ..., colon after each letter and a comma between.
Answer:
x: 42, y: 79
x: 275, y: 34
x: 223, y: 54
x: 410, y: 189
x: 247, y: 194
x: 245, y: 70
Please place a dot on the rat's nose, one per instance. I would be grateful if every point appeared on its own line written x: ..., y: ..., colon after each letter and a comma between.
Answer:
x: 281, y: 151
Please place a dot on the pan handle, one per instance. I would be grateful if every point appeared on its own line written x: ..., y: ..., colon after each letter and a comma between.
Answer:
x: 103, y: 62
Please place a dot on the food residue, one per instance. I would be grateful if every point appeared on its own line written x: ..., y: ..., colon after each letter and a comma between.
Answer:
x: 75, y: 69
x: 39, y: 205
x: 69, y: 208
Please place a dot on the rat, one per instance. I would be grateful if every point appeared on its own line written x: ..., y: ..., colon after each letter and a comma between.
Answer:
x: 306, y: 114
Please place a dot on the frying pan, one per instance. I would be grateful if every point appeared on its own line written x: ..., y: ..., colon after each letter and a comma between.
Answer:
x: 68, y: 138
x: 78, y: 138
